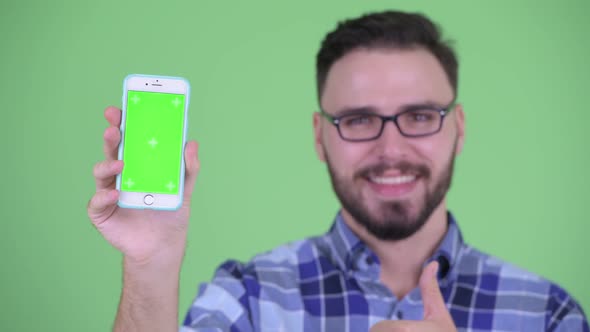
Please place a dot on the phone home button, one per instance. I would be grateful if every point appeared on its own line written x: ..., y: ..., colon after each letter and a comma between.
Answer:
x: 148, y: 199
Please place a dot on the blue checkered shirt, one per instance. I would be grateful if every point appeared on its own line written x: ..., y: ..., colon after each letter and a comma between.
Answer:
x: 331, y: 283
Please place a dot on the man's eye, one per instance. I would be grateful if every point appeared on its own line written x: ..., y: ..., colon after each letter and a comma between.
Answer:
x: 421, y: 116
x: 358, y: 120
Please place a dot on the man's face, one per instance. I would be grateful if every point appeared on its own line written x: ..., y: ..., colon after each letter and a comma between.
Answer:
x: 390, y: 185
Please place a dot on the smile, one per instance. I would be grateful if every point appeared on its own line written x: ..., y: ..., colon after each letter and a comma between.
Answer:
x: 392, y: 180
x: 390, y: 186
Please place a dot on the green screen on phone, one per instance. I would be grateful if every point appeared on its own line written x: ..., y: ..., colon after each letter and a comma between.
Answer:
x: 153, y: 136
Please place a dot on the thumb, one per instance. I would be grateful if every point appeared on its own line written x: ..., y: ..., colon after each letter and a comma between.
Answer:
x: 434, y: 304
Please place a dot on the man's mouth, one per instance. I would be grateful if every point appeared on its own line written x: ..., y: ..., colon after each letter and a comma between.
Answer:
x: 390, y: 186
x: 392, y: 180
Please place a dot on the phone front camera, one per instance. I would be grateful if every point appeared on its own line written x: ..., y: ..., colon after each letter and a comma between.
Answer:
x: 146, y: 84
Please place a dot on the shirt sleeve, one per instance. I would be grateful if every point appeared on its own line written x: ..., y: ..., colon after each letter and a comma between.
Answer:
x: 566, y: 316
x: 222, y: 304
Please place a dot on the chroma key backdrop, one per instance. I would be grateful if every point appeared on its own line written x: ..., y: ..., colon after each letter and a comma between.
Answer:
x: 520, y: 190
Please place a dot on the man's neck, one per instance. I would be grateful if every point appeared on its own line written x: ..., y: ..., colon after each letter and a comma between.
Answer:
x: 402, y: 260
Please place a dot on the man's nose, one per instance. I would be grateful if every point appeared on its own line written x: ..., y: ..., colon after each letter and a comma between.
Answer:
x: 392, y: 143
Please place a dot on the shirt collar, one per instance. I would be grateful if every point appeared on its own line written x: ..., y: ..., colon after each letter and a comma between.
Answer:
x: 351, y: 253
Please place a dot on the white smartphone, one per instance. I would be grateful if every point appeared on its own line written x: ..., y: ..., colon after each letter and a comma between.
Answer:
x: 153, y: 136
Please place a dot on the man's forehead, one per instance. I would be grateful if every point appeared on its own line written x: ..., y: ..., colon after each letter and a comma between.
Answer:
x: 385, y: 78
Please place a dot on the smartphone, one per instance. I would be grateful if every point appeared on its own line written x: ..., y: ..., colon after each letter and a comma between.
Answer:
x: 153, y: 136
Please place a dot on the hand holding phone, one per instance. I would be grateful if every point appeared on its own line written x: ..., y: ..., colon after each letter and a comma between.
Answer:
x: 140, y: 234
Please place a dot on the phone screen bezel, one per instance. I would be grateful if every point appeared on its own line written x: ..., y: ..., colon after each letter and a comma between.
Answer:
x: 161, y: 84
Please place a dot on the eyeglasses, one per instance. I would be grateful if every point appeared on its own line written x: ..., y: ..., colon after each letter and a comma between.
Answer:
x: 416, y: 121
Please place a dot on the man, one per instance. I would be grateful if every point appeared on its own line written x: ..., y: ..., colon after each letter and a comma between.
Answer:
x: 394, y: 259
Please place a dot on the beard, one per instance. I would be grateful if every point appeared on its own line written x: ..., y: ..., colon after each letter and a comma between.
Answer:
x: 392, y: 220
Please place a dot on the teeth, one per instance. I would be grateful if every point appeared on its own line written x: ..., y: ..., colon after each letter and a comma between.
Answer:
x: 393, y: 180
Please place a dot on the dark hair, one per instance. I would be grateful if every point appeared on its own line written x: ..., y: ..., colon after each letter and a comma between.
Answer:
x: 388, y: 29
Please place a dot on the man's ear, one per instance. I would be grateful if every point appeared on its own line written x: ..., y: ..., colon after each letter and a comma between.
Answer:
x: 317, y: 133
x: 460, y: 123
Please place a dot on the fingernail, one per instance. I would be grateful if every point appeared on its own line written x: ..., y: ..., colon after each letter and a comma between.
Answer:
x: 435, y: 270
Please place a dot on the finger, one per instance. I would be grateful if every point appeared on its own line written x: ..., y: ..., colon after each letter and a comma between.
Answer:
x: 382, y: 326
x: 434, y: 304
x: 113, y: 116
x: 102, y: 205
x: 105, y: 173
x: 112, y: 137
x: 398, y: 326
x: 192, y: 167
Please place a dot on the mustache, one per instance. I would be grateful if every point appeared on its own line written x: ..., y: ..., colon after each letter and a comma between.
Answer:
x: 403, y: 166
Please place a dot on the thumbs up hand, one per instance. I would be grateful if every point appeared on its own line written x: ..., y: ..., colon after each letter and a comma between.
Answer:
x: 436, y: 316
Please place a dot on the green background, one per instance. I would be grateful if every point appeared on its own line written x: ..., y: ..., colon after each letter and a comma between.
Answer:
x: 520, y: 190
x: 152, y: 168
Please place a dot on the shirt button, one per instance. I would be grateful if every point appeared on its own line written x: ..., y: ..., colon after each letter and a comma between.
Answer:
x: 400, y: 315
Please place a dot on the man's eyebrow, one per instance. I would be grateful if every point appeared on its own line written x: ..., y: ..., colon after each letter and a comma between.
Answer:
x: 356, y: 110
x: 423, y: 105
x: 374, y: 110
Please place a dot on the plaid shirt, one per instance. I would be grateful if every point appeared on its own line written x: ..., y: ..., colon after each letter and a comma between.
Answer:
x: 331, y: 283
